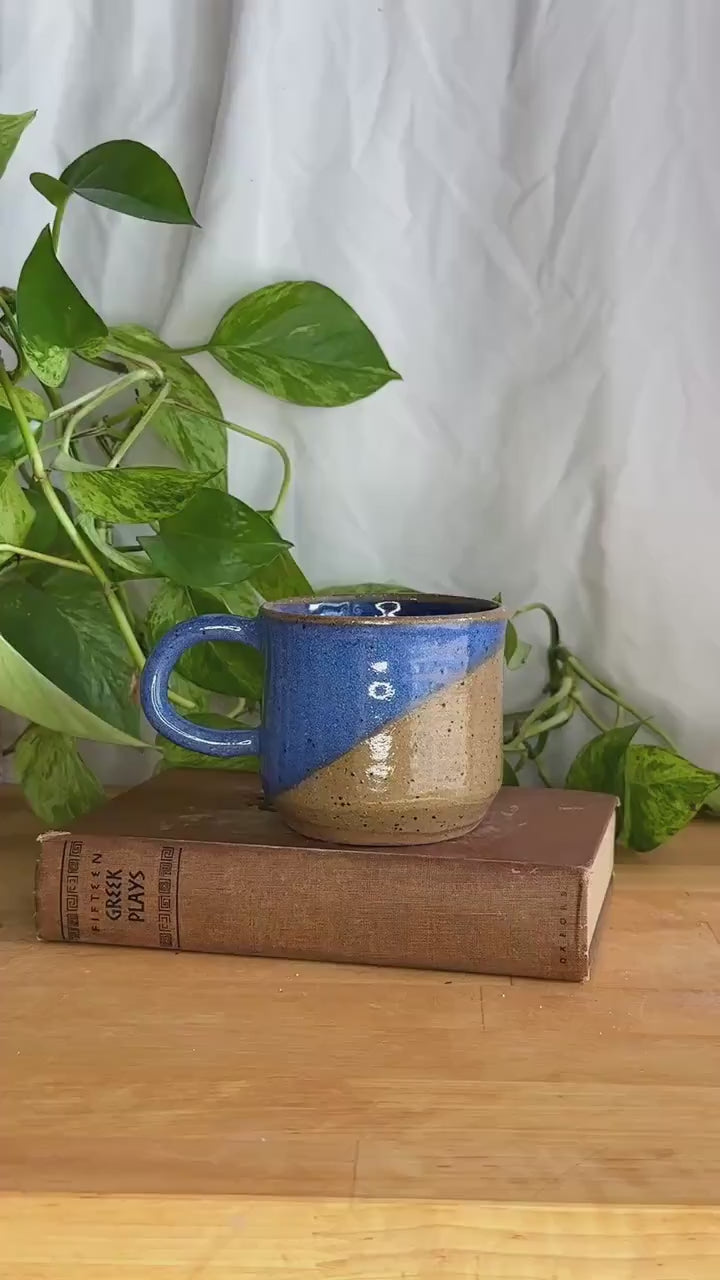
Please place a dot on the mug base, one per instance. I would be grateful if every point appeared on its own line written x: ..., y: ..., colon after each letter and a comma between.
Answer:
x: 353, y: 839
x: 335, y: 830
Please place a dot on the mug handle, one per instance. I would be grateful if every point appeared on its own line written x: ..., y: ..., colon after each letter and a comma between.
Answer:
x: 156, y: 675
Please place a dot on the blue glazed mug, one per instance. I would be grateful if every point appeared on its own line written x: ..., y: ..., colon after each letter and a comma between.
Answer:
x: 382, y: 718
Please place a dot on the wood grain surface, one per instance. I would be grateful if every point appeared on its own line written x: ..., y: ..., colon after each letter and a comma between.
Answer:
x: 198, y: 1117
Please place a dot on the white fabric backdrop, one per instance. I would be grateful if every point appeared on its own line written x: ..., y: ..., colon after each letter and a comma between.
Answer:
x: 522, y: 198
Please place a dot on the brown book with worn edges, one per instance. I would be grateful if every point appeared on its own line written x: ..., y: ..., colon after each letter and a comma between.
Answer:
x: 194, y: 860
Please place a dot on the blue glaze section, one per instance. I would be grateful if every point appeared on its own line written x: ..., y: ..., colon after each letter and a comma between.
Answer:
x: 154, y: 685
x: 331, y: 686
x: 326, y: 687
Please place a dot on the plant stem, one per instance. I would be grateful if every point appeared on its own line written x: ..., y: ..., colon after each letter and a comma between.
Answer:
x: 600, y: 687
x: 279, y: 449
x: 552, y: 620
x: 115, y: 419
x: 9, y: 336
x: 99, y: 395
x: 54, y: 399
x: 7, y: 309
x: 252, y: 435
x: 132, y: 357
x: 544, y: 726
x: 588, y: 712
x: 57, y: 222
x: 12, y: 337
x: 71, y: 424
x: 190, y: 351
x: 181, y: 701
x: 555, y: 663
x: 538, y: 712
x: 90, y: 433
x: 66, y: 522
x: 542, y: 772
x: 534, y: 726
x: 7, y: 547
x: 139, y: 427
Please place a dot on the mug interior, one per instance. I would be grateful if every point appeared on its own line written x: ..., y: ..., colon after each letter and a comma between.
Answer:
x: 388, y: 606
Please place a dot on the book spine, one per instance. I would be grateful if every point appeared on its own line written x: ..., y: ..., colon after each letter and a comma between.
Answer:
x: 359, y: 907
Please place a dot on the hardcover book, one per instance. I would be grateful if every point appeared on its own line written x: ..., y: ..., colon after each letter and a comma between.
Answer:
x: 194, y: 860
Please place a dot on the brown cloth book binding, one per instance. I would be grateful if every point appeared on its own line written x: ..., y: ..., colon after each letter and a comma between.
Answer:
x: 193, y: 860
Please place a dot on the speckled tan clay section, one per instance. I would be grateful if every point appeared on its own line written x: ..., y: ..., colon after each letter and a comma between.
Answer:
x: 429, y: 775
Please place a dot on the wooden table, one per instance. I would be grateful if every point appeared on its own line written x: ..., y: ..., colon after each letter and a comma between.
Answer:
x: 210, y: 1118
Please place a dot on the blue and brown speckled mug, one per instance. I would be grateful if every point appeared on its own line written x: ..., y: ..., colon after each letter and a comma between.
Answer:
x: 382, y: 718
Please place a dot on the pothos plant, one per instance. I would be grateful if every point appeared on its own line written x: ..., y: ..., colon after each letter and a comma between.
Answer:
x: 99, y: 556
x: 658, y: 790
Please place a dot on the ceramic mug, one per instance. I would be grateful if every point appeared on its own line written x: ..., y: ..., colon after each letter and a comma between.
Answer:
x: 382, y: 718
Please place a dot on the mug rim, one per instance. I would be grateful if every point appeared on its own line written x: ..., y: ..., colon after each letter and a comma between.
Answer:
x: 485, y: 610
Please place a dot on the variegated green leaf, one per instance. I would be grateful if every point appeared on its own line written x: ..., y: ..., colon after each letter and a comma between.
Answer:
x: 53, y: 190
x: 600, y: 763
x: 12, y: 444
x: 66, y: 462
x: 135, y: 495
x: 53, y: 316
x: 300, y: 341
x: 11, y: 131
x: 663, y: 792
x: 366, y: 589
x: 16, y: 514
x: 281, y: 579
x: 33, y: 404
x: 57, y: 783
x: 130, y: 178
x: 25, y: 691
x: 216, y: 540
x: 63, y: 662
x: 517, y: 651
